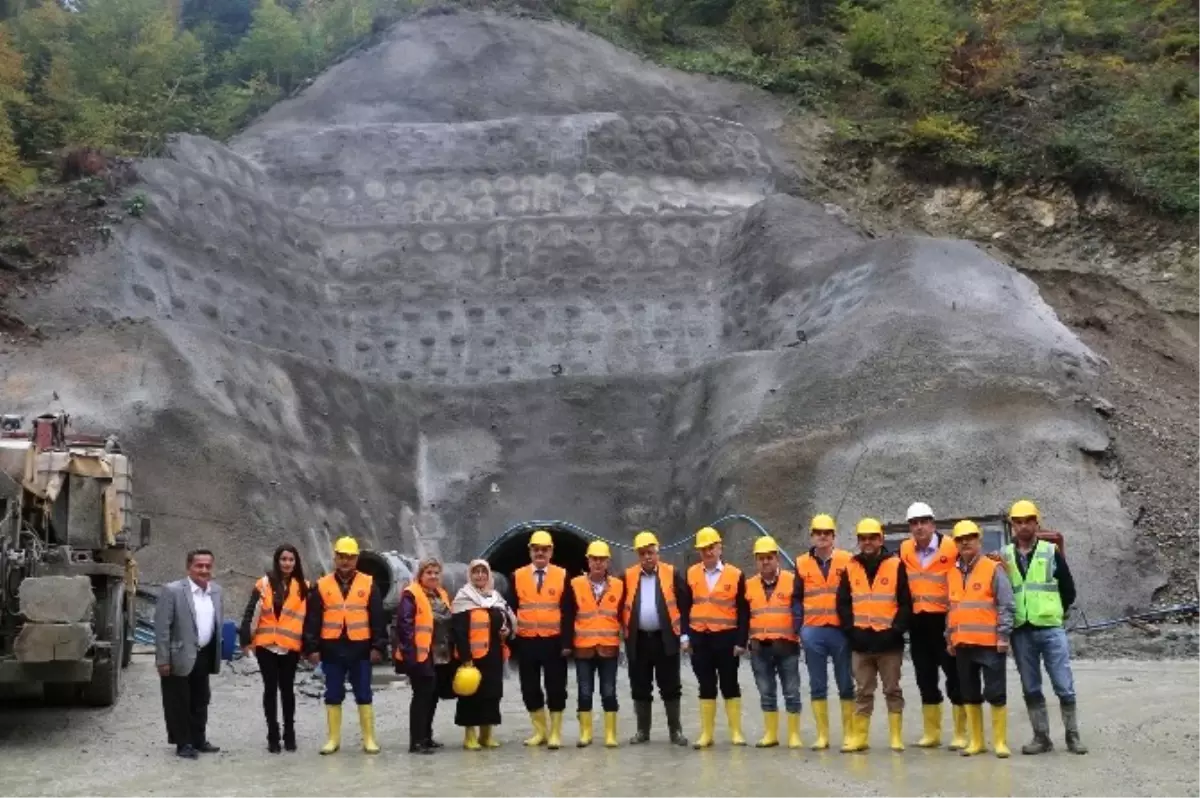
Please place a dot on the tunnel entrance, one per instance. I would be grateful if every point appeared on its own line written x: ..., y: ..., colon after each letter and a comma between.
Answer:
x: 512, y: 552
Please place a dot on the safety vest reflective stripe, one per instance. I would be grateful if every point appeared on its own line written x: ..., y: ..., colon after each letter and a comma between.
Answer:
x: 286, y: 631
x: 771, y: 616
x: 422, y: 623
x: 874, y: 604
x: 666, y: 583
x: 973, y: 614
x: 1035, y: 595
x: 820, y: 590
x: 597, y: 624
x: 928, y: 584
x: 350, y: 612
x: 538, y: 612
x: 715, y: 611
x: 479, y: 633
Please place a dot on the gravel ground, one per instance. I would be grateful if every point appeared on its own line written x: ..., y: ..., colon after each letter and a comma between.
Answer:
x: 1140, y: 720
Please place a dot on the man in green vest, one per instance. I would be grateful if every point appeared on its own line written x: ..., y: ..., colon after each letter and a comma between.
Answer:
x: 1043, y: 590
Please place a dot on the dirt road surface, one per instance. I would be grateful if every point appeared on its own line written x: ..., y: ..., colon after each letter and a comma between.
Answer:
x: 1140, y: 720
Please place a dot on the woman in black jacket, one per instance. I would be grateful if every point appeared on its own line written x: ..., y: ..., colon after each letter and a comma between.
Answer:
x: 478, y: 604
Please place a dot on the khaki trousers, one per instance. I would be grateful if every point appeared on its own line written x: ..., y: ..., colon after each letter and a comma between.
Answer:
x: 869, y: 669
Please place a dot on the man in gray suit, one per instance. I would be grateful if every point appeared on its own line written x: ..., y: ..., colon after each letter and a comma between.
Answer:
x: 187, y: 632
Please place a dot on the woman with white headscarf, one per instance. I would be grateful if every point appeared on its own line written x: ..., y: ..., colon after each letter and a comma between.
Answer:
x: 482, y: 624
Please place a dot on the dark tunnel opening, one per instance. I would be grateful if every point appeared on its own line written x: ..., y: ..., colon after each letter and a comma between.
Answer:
x: 570, y: 552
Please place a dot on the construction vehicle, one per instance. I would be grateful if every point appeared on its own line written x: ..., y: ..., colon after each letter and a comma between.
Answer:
x: 996, y: 532
x: 67, y: 574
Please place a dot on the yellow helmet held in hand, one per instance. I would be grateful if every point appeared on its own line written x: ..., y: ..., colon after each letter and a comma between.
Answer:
x: 598, y: 548
x: 541, y: 538
x: 823, y: 521
x: 345, y: 545
x: 766, y: 545
x: 869, y: 526
x: 964, y: 528
x: 643, y: 539
x: 466, y: 680
x: 1024, y: 509
x: 707, y: 537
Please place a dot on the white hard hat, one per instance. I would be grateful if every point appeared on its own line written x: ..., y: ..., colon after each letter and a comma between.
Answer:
x: 919, y: 510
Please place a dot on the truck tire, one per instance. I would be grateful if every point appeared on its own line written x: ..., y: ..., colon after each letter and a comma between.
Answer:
x: 105, y: 687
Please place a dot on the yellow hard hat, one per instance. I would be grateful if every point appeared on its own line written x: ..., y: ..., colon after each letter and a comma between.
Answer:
x: 823, y: 521
x: 707, y: 537
x: 345, y: 545
x: 541, y: 538
x: 598, y: 548
x: 964, y: 528
x: 466, y: 680
x: 766, y: 545
x: 1024, y: 509
x: 869, y: 526
x: 644, y: 538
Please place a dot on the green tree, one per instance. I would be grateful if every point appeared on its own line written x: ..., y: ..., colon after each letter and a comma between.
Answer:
x: 275, y: 46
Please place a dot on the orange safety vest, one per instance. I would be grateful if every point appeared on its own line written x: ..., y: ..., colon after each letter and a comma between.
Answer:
x: 874, y: 604
x: 666, y: 582
x: 973, y: 615
x: 539, y: 614
x: 422, y: 623
x: 771, y: 616
x: 479, y: 634
x: 715, y: 612
x: 930, y: 590
x: 350, y: 612
x: 820, y: 591
x: 597, y: 625
x: 286, y: 631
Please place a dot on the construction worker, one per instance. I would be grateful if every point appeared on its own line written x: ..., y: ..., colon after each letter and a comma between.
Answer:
x: 1043, y: 592
x: 819, y: 572
x: 928, y: 558
x: 717, y: 634
x: 657, y: 609
x: 776, y: 617
x: 535, y: 595
x: 874, y: 606
x: 345, y: 631
x: 977, y: 632
x: 592, y: 608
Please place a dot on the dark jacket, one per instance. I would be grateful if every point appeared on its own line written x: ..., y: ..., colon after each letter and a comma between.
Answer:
x: 742, y: 633
x: 570, y: 608
x: 404, y: 631
x: 245, y: 633
x: 869, y: 640
x: 343, y: 647
x: 683, y: 600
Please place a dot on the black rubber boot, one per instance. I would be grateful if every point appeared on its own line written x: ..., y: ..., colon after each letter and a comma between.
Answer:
x: 641, y: 710
x: 1040, y: 720
x: 289, y: 735
x: 1071, y: 722
x: 674, y: 724
x: 273, y: 736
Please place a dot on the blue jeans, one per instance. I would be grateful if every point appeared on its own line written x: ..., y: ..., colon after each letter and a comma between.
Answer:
x: 1031, y: 646
x: 585, y: 672
x: 782, y: 661
x: 337, y: 671
x: 821, y: 644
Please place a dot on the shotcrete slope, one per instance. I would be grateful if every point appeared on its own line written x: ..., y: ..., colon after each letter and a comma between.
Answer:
x: 495, y: 269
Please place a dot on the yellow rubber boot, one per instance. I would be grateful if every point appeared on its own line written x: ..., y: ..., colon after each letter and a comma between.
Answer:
x: 733, y: 715
x: 770, y: 737
x: 848, y: 727
x: 860, y: 729
x: 1000, y: 732
x: 975, y: 730
x: 538, y: 719
x: 793, y: 724
x: 333, y: 717
x: 610, y: 730
x: 896, y: 731
x: 585, y: 730
x: 932, y: 715
x: 821, y: 715
x: 554, y: 739
x: 487, y: 737
x: 708, y: 722
x: 471, y: 739
x: 959, y: 740
x: 366, y: 722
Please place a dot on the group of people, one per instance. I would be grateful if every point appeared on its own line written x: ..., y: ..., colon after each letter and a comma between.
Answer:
x: 961, y: 610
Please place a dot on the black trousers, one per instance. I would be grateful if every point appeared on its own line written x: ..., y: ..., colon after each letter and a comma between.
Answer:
x: 185, y: 700
x: 713, y: 663
x: 422, y: 707
x: 653, y: 665
x: 538, y: 656
x: 927, y: 647
x: 975, y: 664
x: 279, y: 681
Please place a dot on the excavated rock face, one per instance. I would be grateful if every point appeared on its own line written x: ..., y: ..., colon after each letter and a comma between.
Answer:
x: 494, y: 269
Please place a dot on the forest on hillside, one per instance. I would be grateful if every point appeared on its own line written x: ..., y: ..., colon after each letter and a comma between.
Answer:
x: 1087, y: 92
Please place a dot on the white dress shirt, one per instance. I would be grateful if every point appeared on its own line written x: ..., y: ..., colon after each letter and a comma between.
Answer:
x: 711, y: 577
x: 648, y: 602
x: 206, y: 622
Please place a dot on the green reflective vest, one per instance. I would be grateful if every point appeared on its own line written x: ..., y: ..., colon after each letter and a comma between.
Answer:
x: 1036, y: 594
